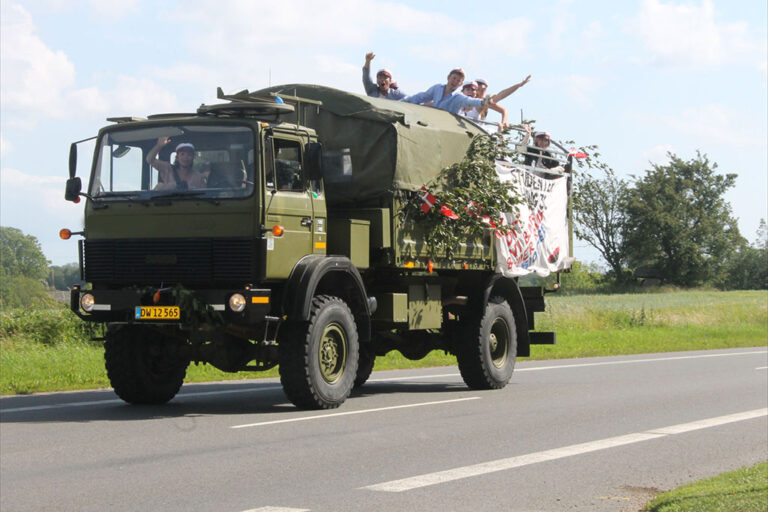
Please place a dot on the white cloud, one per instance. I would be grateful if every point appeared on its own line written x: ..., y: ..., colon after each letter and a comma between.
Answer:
x: 685, y: 35
x: 5, y: 146
x: 37, y: 82
x: 580, y: 88
x: 16, y: 178
x: 657, y: 155
x: 40, y: 195
x: 712, y: 122
x: 33, y: 77
x: 295, y: 47
x: 110, y: 10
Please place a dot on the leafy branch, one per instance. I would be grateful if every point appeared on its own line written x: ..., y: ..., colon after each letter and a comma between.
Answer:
x: 468, y: 198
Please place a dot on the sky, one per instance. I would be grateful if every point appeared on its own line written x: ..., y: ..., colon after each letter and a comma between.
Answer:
x: 638, y: 78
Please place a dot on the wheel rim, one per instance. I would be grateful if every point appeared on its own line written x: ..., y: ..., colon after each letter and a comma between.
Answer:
x: 332, y: 353
x: 498, y: 341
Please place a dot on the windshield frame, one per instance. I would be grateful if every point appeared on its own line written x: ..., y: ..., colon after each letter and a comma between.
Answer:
x: 150, y: 175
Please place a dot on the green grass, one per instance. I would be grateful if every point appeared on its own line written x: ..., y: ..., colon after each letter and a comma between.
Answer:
x: 49, y: 350
x: 743, y: 490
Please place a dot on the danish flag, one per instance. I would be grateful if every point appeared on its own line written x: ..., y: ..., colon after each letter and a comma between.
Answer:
x: 577, y: 154
x: 429, y: 200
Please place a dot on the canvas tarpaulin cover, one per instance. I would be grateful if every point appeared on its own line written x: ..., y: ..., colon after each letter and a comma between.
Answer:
x: 393, y: 145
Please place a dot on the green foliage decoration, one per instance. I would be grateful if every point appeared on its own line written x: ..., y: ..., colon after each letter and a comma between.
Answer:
x: 471, y: 190
x: 196, y: 311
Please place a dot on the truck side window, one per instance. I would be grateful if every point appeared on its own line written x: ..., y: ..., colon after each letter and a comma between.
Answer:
x: 288, y: 168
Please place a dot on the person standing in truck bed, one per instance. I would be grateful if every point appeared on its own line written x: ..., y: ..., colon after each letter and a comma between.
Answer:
x: 449, y: 97
x: 382, y: 88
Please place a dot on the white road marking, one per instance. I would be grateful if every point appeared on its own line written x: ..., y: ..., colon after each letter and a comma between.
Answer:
x: 439, y: 477
x: 762, y: 368
x: 633, y: 361
x: 277, y: 509
x: 417, y: 377
x: 350, y: 413
x: 117, y: 401
x: 391, y: 379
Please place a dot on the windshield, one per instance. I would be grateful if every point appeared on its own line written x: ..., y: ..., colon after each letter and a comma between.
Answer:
x: 180, y: 161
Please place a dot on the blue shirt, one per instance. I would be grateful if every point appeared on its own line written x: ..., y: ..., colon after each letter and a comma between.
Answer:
x: 454, y: 102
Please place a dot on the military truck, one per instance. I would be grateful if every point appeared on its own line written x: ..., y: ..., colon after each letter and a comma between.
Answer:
x: 292, y: 254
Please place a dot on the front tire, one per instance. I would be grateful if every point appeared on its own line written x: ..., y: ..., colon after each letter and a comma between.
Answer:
x: 318, y: 359
x: 487, y: 354
x: 142, y: 366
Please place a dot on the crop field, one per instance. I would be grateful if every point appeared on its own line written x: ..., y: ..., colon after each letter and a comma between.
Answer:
x: 50, y: 350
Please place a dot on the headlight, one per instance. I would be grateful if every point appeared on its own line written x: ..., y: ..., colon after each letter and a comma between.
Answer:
x: 87, y: 301
x: 237, y: 302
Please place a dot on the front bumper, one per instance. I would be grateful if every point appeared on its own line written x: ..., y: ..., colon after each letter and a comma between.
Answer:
x: 196, y: 306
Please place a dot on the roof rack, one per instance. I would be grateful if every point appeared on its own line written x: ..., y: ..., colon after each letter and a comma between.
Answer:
x: 126, y: 119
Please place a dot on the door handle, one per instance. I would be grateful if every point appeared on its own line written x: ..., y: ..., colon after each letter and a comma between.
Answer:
x: 306, y: 221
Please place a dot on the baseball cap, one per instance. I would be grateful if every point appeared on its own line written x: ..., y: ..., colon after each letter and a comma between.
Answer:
x: 471, y: 85
x: 541, y: 134
x: 384, y: 72
x: 480, y: 81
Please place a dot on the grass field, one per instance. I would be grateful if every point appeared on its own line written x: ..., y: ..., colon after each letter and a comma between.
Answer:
x: 743, y: 490
x: 49, y: 350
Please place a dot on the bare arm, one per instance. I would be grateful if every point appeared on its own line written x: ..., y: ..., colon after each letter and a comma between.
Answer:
x: 152, y: 155
x: 509, y: 90
x: 502, y: 111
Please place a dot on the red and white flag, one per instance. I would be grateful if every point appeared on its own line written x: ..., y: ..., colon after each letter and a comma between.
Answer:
x: 429, y: 200
x: 577, y: 154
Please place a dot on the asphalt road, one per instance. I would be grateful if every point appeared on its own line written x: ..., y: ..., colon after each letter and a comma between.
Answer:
x: 583, y: 434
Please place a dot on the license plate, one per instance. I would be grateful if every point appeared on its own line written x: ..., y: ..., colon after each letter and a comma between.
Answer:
x: 158, y: 313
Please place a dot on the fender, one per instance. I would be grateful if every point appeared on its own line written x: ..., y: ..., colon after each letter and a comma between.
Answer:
x: 496, y: 284
x: 318, y: 273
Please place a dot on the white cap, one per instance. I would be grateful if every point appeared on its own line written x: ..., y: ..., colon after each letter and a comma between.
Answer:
x: 185, y: 145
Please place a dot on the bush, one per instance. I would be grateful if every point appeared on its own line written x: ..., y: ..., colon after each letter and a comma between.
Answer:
x: 23, y: 292
x: 53, y: 326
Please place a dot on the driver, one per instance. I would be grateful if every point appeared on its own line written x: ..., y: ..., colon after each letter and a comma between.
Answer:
x: 180, y: 175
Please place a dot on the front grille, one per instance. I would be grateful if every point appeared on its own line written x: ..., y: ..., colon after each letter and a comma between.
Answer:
x: 208, y: 262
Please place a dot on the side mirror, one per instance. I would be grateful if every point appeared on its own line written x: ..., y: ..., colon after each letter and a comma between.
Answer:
x: 72, y: 160
x: 313, y: 160
x: 72, y: 193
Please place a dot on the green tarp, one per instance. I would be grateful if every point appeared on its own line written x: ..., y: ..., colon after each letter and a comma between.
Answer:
x: 393, y: 145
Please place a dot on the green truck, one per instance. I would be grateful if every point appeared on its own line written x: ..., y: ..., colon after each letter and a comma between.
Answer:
x: 292, y: 253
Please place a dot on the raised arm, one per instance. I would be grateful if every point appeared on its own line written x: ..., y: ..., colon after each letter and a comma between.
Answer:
x: 152, y: 159
x: 368, y: 84
x: 509, y: 90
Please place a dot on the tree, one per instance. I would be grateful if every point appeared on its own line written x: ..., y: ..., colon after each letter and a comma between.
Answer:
x: 64, y: 276
x: 679, y: 224
x: 23, y: 268
x: 21, y: 255
x: 748, y: 267
x: 599, y: 211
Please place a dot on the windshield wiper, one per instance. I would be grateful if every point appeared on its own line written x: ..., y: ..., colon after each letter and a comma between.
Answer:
x: 186, y: 193
x: 179, y: 193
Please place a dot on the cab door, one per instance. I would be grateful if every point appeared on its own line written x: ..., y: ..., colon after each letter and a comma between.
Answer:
x: 288, y: 203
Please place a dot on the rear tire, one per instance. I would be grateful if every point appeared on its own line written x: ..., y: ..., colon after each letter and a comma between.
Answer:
x: 318, y: 359
x: 487, y: 354
x: 140, y: 366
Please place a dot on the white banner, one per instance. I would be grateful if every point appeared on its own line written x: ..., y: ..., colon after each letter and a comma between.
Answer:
x: 539, y: 242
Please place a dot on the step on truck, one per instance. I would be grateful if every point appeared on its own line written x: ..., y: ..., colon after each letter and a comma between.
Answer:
x: 279, y: 244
